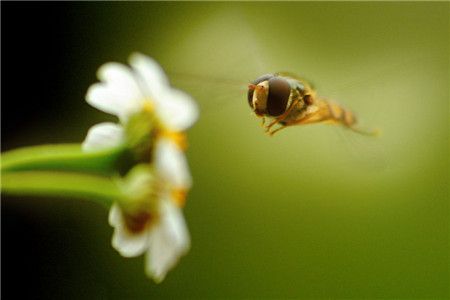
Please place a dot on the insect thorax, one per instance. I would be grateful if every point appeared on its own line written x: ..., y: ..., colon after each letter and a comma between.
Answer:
x: 299, y: 110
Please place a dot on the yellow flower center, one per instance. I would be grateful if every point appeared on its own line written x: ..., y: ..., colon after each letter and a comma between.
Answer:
x: 148, y: 106
x: 179, y: 196
x: 177, y: 136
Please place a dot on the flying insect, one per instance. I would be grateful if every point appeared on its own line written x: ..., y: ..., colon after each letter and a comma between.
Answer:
x: 290, y: 101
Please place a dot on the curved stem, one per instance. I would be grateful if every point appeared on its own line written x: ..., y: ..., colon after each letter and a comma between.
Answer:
x: 64, y: 157
x: 101, y: 189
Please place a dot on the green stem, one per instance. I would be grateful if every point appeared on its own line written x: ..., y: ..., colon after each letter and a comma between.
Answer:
x: 101, y: 189
x: 63, y: 157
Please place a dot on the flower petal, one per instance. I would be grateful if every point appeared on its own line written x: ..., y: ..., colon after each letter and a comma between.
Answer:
x: 171, y: 164
x: 103, y: 136
x: 126, y: 243
x: 154, y: 81
x: 169, y: 241
x: 118, y: 94
x: 177, y: 110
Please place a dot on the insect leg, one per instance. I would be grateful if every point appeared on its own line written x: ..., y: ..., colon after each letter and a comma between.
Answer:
x: 276, y: 130
x: 286, y: 113
x: 308, y: 119
x: 262, y: 121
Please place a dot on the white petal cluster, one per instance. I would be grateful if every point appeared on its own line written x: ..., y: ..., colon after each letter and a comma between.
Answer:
x: 125, y: 91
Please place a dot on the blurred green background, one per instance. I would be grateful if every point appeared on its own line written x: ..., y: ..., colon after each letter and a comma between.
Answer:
x: 313, y: 212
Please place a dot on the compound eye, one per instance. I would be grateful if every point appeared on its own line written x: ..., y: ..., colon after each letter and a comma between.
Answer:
x: 256, y: 82
x: 262, y: 78
x: 277, y: 100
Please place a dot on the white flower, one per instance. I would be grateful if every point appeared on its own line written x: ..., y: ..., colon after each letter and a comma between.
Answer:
x: 103, y: 136
x: 150, y: 220
x: 125, y: 91
x: 165, y: 242
x: 163, y: 233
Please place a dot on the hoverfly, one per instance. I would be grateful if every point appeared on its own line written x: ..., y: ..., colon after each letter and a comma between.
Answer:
x: 290, y: 101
